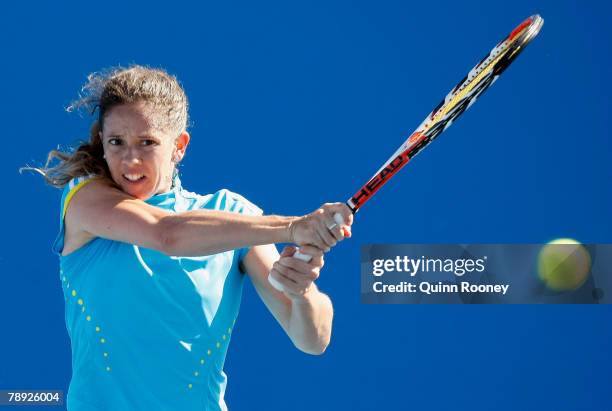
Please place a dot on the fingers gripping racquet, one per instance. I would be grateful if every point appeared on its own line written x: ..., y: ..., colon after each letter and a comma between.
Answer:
x: 304, y: 257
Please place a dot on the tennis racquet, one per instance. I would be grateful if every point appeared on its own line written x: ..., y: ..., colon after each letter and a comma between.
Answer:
x: 459, y: 99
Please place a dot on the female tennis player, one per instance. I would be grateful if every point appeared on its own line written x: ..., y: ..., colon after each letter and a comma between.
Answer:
x: 152, y: 274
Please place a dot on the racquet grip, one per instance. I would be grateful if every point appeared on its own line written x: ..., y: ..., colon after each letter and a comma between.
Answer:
x: 304, y: 257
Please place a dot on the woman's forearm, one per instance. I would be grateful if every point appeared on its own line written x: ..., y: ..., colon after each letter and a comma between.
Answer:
x: 204, y: 232
x: 310, y: 323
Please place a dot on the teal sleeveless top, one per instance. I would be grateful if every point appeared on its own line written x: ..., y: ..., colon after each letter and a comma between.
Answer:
x: 149, y: 331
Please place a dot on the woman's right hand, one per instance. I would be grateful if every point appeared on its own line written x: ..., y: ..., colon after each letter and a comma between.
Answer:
x: 320, y: 228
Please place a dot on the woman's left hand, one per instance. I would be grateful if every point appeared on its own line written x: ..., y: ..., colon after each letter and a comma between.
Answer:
x: 297, y: 276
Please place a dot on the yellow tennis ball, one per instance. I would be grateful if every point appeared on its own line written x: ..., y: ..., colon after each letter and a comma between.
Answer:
x: 564, y: 264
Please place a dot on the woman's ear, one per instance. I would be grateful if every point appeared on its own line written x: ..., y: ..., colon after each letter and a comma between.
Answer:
x: 181, y: 144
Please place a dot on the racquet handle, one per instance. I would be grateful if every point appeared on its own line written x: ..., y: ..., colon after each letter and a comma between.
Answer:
x: 304, y: 257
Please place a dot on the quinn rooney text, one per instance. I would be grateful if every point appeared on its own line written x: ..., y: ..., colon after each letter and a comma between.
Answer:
x: 435, y: 288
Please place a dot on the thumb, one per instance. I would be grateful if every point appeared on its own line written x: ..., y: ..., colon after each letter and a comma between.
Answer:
x: 288, y: 251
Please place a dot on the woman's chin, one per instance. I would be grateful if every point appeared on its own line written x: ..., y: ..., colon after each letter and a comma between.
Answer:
x: 140, y: 193
x: 141, y: 196
x: 138, y: 189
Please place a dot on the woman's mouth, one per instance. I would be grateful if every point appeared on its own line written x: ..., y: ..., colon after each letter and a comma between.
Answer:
x: 134, y: 178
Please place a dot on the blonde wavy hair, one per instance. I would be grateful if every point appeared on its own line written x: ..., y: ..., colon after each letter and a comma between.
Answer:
x: 104, y: 90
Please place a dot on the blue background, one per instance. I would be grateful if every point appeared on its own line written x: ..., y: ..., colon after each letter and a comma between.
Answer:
x: 296, y: 104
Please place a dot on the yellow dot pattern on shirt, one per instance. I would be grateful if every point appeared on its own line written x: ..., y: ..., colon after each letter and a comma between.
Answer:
x: 209, y: 352
x: 97, y: 328
x: 104, y: 353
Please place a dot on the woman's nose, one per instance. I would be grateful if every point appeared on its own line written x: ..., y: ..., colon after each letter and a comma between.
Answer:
x: 132, y: 156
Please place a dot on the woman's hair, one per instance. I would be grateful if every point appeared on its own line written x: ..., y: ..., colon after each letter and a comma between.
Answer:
x: 159, y: 90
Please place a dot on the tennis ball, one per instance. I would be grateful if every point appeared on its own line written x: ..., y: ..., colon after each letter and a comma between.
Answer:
x: 564, y: 264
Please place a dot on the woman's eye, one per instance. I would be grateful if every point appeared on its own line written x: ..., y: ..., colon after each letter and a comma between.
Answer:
x: 148, y: 142
x: 114, y: 141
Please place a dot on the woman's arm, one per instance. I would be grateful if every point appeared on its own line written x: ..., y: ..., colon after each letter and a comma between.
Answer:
x: 302, y: 310
x: 102, y: 210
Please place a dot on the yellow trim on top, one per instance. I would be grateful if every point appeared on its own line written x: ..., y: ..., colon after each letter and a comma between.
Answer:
x: 72, y: 193
x: 451, y: 104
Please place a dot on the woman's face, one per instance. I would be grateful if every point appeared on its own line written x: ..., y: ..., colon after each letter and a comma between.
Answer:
x: 141, y: 156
